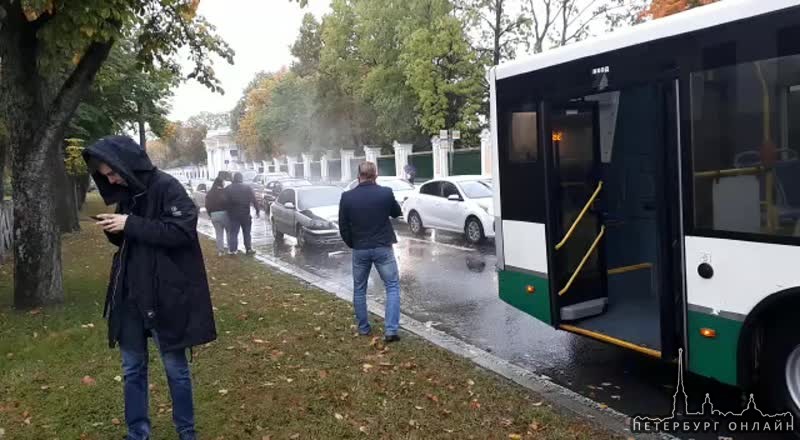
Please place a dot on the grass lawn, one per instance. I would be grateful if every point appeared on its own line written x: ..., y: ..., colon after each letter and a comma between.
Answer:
x: 287, y: 365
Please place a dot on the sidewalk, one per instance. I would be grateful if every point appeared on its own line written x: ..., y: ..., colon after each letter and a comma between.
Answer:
x: 287, y: 365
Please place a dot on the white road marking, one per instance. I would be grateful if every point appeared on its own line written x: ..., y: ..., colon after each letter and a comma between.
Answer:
x: 452, y: 246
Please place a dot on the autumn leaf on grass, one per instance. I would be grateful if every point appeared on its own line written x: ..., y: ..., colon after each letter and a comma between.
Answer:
x: 366, y: 367
x: 338, y: 416
x: 115, y: 421
x: 88, y: 381
x: 475, y: 404
x: 323, y: 374
x: 515, y: 436
x: 432, y: 398
x: 223, y: 392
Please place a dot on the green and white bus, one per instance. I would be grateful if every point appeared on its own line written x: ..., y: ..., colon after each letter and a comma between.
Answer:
x: 648, y: 190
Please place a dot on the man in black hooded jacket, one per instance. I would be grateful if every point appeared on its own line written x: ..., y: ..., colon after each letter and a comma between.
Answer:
x: 158, y: 284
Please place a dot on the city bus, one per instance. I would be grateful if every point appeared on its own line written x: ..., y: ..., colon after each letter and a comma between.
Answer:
x: 648, y: 190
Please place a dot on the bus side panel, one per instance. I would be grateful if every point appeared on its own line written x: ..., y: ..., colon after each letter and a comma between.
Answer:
x: 515, y: 289
x: 744, y: 274
x: 715, y: 358
x: 524, y: 281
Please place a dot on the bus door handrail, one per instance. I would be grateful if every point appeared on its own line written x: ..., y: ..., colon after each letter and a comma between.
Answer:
x: 584, y: 260
x: 580, y: 216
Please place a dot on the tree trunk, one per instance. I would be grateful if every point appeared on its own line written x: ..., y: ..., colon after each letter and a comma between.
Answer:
x: 35, y: 135
x: 142, y: 133
x: 64, y: 194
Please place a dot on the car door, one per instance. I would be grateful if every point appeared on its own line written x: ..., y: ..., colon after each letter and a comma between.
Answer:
x: 450, y: 212
x: 283, y: 215
x: 200, y: 195
x: 430, y: 196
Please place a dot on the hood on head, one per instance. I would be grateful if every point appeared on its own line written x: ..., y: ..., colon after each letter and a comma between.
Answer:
x: 123, y: 155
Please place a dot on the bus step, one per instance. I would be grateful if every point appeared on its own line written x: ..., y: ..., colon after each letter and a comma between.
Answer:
x: 584, y: 309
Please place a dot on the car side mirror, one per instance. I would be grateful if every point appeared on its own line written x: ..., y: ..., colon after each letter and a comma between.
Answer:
x: 454, y: 198
x: 289, y: 205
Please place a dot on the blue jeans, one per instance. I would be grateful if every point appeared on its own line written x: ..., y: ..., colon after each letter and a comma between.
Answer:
x: 135, y: 359
x: 384, y: 261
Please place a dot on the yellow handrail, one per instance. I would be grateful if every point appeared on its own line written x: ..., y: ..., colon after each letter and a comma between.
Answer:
x: 580, y: 216
x: 583, y: 261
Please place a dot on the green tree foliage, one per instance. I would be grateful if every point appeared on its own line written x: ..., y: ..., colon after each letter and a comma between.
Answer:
x: 288, y: 121
x: 446, y: 77
x: 51, y: 53
x: 307, y: 47
x: 124, y: 97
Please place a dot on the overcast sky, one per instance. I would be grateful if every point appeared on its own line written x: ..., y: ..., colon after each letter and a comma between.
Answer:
x: 260, y: 31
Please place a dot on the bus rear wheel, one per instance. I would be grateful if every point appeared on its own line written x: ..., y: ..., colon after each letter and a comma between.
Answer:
x: 780, y: 375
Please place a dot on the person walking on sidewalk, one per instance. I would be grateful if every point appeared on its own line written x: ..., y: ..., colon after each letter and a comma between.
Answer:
x: 158, y: 282
x: 365, y: 227
x: 240, y: 198
x: 216, y: 205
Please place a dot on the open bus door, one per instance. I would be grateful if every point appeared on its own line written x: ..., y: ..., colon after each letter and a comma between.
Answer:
x: 575, y: 227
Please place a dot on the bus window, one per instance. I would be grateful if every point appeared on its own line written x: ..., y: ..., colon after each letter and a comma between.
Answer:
x: 745, y: 145
x: 524, y: 137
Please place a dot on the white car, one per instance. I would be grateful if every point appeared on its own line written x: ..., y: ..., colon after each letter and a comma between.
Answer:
x: 400, y: 187
x: 457, y: 204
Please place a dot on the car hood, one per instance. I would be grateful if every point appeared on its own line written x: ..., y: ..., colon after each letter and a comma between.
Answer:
x: 329, y: 213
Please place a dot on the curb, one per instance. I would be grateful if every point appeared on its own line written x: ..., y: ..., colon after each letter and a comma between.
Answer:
x: 561, y: 398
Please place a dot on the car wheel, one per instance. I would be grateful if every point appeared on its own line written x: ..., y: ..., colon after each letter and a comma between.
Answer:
x: 473, y: 231
x: 415, y: 223
x: 780, y: 375
x: 275, y: 233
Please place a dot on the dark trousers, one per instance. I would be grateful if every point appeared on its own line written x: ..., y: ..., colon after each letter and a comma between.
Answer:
x: 237, y: 222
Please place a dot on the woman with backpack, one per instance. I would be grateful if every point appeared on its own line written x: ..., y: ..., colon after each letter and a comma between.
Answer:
x: 216, y: 206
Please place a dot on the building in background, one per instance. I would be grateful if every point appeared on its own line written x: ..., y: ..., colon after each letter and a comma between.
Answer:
x: 222, y: 152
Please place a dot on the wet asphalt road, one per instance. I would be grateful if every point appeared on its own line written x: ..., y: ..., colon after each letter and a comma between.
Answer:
x: 452, y: 286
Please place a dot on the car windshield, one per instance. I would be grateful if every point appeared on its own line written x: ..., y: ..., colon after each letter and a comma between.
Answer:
x: 476, y: 189
x: 396, y: 184
x: 314, y: 198
x: 249, y: 175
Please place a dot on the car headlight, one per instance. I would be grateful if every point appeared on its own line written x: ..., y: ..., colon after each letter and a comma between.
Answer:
x: 320, y: 224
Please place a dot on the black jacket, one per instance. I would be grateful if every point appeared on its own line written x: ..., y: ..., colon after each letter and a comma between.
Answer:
x: 159, y: 265
x: 239, y: 198
x: 364, y: 213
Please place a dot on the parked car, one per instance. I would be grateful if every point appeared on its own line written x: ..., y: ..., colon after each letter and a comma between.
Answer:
x: 199, y: 193
x: 260, y: 181
x: 275, y: 187
x: 308, y: 213
x: 457, y: 204
x: 400, y: 187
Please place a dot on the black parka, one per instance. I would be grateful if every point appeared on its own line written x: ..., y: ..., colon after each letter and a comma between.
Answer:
x: 159, y: 265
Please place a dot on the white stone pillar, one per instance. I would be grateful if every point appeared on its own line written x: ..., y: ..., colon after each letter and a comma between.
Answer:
x: 265, y: 164
x: 372, y: 154
x: 290, y: 162
x: 401, y: 152
x: 323, y: 165
x: 346, y: 155
x: 486, y: 153
x: 440, y: 149
x: 307, y: 158
x: 277, y: 163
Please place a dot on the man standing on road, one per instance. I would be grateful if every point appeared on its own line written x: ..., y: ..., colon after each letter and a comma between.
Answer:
x: 365, y: 227
x: 240, y: 197
x: 158, y: 282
